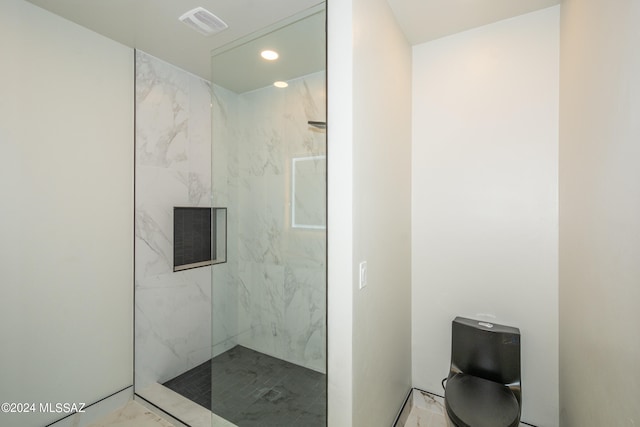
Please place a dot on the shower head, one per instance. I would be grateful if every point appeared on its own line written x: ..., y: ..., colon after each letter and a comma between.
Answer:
x: 319, y: 125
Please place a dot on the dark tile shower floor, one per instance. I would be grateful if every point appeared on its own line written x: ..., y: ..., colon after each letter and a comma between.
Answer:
x: 251, y: 389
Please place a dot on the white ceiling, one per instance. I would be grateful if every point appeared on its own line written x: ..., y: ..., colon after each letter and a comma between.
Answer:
x: 301, y: 46
x: 425, y: 20
x: 153, y: 26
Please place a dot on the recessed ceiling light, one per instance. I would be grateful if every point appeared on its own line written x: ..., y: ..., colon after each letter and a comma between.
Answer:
x: 269, y: 55
x: 280, y: 84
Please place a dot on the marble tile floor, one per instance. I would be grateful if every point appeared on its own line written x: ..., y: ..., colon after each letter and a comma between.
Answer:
x: 250, y: 389
x: 178, y: 409
x: 424, y: 409
x: 132, y: 415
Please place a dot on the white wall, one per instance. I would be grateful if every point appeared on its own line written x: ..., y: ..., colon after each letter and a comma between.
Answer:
x: 369, y: 90
x: 484, y: 202
x: 381, y: 214
x: 599, y: 212
x: 66, y: 168
x: 339, y: 212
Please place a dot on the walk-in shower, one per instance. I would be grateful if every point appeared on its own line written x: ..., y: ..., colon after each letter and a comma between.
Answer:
x: 243, y: 335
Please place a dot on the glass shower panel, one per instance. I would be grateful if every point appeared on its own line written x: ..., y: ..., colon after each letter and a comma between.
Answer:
x: 269, y: 171
x: 173, y: 172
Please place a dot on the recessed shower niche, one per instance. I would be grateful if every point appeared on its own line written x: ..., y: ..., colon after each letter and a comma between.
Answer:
x: 245, y: 339
x: 199, y: 237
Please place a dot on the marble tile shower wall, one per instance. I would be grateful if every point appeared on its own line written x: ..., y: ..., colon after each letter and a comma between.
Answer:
x: 270, y: 295
x: 225, y: 194
x: 276, y: 273
x: 173, y: 168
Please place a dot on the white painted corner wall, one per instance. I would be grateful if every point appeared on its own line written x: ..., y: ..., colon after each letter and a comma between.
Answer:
x: 485, y: 198
x: 381, y: 214
x: 66, y: 167
x: 369, y: 217
x: 339, y: 212
x: 599, y: 213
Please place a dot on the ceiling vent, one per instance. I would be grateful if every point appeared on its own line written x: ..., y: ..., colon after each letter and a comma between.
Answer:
x: 203, y: 21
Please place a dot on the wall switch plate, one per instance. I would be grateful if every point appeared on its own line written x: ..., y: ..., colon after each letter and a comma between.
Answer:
x: 363, y: 274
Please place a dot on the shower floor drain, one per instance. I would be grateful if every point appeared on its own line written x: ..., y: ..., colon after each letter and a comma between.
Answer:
x: 272, y: 395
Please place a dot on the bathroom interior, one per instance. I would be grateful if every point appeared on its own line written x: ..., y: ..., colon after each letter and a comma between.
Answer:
x: 243, y: 335
x: 463, y: 170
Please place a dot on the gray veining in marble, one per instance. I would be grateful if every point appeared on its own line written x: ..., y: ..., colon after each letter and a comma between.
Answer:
x: 173, y: 168
x: 270, y: 295
x: 424, y: 409
x: 275, y: 280
x: 132, y: 415
x: 182, y: 408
